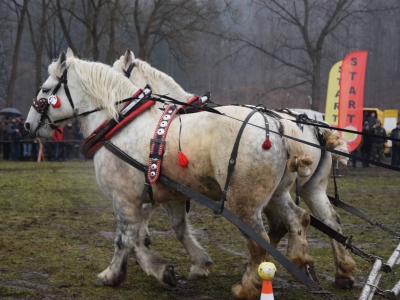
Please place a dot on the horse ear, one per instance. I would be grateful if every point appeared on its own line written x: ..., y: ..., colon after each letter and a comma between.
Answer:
x: 70, y: 53
x: 128, y: 57
x: 62, y: 62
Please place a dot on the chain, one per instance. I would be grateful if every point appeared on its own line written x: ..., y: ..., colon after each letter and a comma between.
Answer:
x: 382, y: 292
x: 387, y: 229
x: 357, y: 251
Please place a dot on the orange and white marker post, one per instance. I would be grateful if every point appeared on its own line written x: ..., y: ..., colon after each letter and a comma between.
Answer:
x: 267, y: 270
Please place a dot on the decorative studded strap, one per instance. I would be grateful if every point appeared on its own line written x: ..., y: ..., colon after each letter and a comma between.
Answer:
x: 158, y: 143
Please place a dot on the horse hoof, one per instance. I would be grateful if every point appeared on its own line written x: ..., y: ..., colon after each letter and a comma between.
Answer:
x: 169, y: 276
x: 99, y: 282
x: 344, y: 283
x: 239, y: 292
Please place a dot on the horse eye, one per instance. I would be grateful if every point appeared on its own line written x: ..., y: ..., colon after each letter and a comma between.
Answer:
x: 45, y: 91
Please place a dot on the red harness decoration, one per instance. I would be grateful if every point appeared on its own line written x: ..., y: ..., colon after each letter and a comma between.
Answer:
x: 158, y: 143
x: 109, y: 127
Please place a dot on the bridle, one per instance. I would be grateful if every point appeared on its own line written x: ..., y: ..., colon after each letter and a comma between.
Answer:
x: 42, y: 105
x: 128, y: 72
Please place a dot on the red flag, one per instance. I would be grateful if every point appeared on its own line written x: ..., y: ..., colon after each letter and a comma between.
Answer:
x: 351, y: 96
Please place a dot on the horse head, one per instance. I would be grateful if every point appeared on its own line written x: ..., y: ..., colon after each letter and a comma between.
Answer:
x: 75, y: 86
x: 141, y: 73
x: 47, y: 106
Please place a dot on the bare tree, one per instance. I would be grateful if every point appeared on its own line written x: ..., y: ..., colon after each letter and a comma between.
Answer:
x: 37, y: 29
x: 20, y: 11
x: 92, y: 15
x: 172, y: 22
x: 314, y: 20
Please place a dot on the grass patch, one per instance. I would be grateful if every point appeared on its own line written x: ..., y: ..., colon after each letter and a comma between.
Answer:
x: 56, y: 234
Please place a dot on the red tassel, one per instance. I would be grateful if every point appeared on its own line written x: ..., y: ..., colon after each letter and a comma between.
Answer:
x: 266, y: 144
x: 182, y: 159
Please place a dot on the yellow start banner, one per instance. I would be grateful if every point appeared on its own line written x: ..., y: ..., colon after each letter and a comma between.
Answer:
x: 332, y: 95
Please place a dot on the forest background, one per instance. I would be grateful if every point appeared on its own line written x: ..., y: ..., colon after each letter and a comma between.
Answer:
x: 274, y: 52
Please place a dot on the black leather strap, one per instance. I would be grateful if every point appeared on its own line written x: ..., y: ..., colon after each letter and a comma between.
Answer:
x: 351, y: 209
x: 232, y: 162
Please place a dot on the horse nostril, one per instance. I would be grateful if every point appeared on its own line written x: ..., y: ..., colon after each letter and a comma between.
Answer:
x: 27, y: 126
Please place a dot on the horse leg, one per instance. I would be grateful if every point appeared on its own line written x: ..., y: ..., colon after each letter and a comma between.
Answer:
x: 199, y: 258
x: 284, y: 216
x: 319, y: 204
x: 250, y: 285
x: 131, y: 223
x: 147, y: 212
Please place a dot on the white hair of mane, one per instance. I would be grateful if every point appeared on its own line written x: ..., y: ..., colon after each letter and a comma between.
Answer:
x: 104, y: 85
x: 155, y: 77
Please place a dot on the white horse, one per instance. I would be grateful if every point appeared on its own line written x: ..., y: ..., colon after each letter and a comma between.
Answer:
x: 282, y: 214
x: 258, y: 171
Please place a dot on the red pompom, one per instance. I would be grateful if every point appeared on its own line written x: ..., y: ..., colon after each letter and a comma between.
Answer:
x: 182, y: 159
x: 266, y: 144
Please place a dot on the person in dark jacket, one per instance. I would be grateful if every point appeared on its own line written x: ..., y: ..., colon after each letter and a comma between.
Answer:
x: 58, y: 138
x: 372, y: 119
x: 14, y: 136
x: 6, y: 144
x: 395, y: 145
x: 69, y: 141
x: 378, y: 144
x: 366, y: 144
x: 26, y: 142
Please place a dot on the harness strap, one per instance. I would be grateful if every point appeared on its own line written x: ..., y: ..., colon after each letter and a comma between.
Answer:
x: 129, y: 71
x: 335, y: 184
x: 297, y: 192
x: 158, y: 143
x: 192, y: 194
x: 232, y: 162
x: 350, y: 209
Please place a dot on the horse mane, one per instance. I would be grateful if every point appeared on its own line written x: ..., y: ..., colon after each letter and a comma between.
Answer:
x: 104, y: 85
x: 155, y: 78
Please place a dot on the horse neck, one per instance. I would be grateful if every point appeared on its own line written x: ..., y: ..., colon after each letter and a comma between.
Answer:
x: 163, y: 84
x: 92, y: 121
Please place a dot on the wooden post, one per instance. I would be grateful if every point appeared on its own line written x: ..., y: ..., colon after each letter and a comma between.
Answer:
x: 40, y: 154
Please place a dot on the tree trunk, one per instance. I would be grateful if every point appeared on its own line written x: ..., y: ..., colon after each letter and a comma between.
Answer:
x: 316, y: 83
x: 13, y: 77
x: 39, y: 45
x: 111, y: 46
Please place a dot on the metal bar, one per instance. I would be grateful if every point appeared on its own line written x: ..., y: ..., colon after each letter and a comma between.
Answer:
x: 394, y: 258
x: 394, y: 292
x: 372, y: 281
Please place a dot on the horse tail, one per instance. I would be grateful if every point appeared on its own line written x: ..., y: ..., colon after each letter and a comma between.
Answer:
x: 335, y: 142
x: 301, y: 165
x: 298, y: 161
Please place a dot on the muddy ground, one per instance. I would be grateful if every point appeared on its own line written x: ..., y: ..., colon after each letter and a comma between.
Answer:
x: 57, y: 230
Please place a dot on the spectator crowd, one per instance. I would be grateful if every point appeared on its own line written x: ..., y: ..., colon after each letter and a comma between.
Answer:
x: 17, y: 145
x: 374, y: 141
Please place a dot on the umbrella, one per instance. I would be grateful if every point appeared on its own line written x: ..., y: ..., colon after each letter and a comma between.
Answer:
x: 10, y: 112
